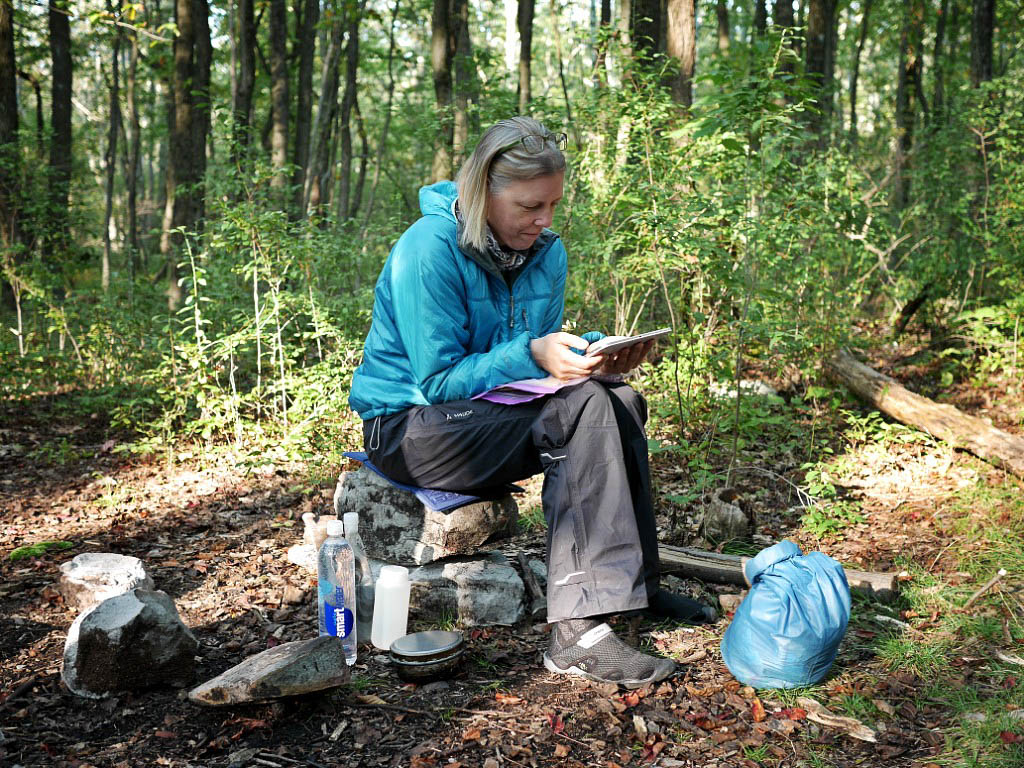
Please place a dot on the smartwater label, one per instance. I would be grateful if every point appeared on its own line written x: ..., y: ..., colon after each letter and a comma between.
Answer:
x: 338, y: 620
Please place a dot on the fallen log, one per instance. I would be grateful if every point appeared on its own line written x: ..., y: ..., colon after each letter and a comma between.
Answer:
x: 945, y: 422
x: 728, y: 569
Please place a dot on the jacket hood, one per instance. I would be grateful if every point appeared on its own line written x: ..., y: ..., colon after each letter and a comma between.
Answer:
x: 436, y: 199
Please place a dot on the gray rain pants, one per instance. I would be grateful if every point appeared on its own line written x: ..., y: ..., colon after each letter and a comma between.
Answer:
x: 589, y: 441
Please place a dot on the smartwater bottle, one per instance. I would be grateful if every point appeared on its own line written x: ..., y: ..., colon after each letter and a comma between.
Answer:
x: 336, y: 604
x: 364, y: 578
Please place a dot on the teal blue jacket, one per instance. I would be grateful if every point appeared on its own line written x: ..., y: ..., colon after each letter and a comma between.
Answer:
x: 446, y: 325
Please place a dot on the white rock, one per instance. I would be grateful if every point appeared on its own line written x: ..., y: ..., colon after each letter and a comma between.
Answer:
x: 92, y: 577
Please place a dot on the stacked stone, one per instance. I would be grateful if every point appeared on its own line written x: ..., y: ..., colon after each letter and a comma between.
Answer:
x: 453, y: 575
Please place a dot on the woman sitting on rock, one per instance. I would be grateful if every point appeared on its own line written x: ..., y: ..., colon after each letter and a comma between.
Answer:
x: 472, y: 297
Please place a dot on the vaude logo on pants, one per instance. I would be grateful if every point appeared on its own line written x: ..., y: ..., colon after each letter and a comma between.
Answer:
x: 458, y: 415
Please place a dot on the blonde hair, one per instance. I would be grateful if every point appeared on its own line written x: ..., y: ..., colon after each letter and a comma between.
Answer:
x: 494, y: 164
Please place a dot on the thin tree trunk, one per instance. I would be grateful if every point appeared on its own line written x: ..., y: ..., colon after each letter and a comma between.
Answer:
x: 939, y: 94
x: 604, y: 33
x: 855, y: 68
x: 760, y: 16
x: 9, y: 156
x: 134, y: 151
x: 524, y: 22
x: 682, y: 46
x: 279, y: 94
x: 465, y: 83
x: 556, y: 26
x: 364, y: 154
x: 382, y: 143
x: 907, y: 87
x: 110, y: 159
x: 60, y: 122
x: 203, y: 64
x: 782, y: 18
x: 645, y: 27
x: 819, y: 66
x: 347, y: 103
x: 306, y: 42
x: 319, y: 166
x: 441, y: 54
x: 722, y: 13
x: 241, y: 99
x: 37, y: 88
x: 982, y: 24
x: 180, y: 165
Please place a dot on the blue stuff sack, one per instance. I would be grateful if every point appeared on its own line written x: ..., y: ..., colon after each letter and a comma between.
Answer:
x: 786, y: 632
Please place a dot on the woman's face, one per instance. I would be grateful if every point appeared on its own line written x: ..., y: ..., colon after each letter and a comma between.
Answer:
x: 518, y: 213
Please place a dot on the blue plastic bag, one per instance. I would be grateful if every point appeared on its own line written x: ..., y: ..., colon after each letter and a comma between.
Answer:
x: 786, y: 632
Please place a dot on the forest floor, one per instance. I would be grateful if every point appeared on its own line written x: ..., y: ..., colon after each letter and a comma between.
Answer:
x: 214, y: 536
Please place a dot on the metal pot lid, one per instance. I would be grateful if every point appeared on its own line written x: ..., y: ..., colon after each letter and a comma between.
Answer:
x: 428, y: 643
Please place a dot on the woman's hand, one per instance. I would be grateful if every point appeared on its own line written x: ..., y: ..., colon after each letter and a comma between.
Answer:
x: 555, y: 355
x: 625, y: 360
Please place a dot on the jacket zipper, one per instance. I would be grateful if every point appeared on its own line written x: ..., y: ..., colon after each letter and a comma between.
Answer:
x: 511, y: 309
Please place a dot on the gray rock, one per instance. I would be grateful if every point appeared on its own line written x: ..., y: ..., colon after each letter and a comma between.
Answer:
x: 397, y: 528
x: 128, y: 642
x: 724, y: 520
x: 289, y: 669
x: 477, y: 591
x: 92, y: 577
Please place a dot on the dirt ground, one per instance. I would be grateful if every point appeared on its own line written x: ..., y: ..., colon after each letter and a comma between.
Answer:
x: 214, y: 537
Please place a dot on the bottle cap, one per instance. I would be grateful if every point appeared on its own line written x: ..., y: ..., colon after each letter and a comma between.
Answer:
x: 351, y: 520
x: 335, y: 528
x: 394, y: 574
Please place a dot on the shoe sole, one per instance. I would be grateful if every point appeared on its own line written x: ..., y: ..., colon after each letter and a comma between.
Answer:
x: 575, y: 671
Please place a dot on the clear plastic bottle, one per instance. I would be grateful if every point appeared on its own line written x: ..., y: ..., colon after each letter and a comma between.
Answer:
x: 336, y: 604
x: 364, y: 578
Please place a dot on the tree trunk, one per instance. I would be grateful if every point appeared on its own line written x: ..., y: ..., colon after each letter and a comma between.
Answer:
x: 945, y: 422
x: 819, y: 58
x: 203, y: 63
x: 382, y: 143
x: 855, y: 69
x: 682, y: 46
x: 9, y: 176
x: 180, y: 160
x: 347, y: 102
x: 908, y: 85
x: 511, y: 42
x: 982, y: 23
x: 729, y: 569
x: 760, y: 16
x: 722, y: 12
x: 645, y: 27
x: 279, y: 94
x: 60, y: 123
x: 37, y: 88
x: 320, y: 146
x: 524, y: 22
x: 364, y: 154
x: 465, y: 84
x: 306, y: 43
x: 245, y: 79
x: 134, y: 152
x: 782, y: 17
x: 441, y: 54
x: 601, y: 53
x: 110, y: 158
x: 939, y: 94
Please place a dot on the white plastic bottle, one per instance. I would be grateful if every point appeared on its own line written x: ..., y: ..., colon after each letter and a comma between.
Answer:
x: 336, y: 604
x: 364, y: 578
x: 391, y: 606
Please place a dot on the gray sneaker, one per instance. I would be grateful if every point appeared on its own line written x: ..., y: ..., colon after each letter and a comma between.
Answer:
x: 588, y: 648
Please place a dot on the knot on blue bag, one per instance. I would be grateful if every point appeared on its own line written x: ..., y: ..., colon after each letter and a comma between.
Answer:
x: 787, y: 630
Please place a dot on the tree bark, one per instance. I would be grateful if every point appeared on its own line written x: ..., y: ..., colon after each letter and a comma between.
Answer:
x: 722, y: 13
x: 601, y: 54
x: 983, y: 21
x: 855, y: 69
x: 347, y: 102
x: 819, y: 58
x: 760, y: 16
x: 110, y: 157
x: 465, y: 84
x: 441, y: 54
x: 682, y: 46
x: 134, y: 152
x: 524, y: 23
x: 729, y: 569
x: 320, y: 145
x: 245, y: 80
x: 908, y: 85
x: 782, y: 18
x: 306, y: 43
x: 945, y: 422
x: 645, y: 27
x: 9, y: 176
x: 203, y: 63
x: 60, y: 122
x: 279, y: 94
x: 939, y: 94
